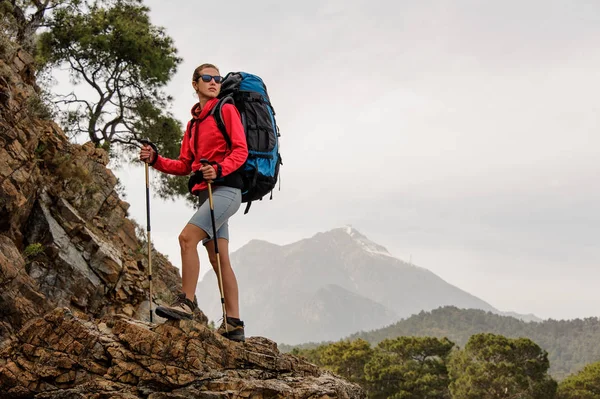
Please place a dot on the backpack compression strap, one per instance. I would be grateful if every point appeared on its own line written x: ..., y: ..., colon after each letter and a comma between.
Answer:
x: 221, y: 125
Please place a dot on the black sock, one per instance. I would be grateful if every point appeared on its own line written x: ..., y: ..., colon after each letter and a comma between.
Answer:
x: 234, y: 320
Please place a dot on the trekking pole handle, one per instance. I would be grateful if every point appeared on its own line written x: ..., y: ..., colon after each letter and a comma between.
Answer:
x: 151, y: 144
x: 205, y: 162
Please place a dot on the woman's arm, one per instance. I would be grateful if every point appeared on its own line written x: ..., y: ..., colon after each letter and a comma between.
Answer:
x: 181, y: 166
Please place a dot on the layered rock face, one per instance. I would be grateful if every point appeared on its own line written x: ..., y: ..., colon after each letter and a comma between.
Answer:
x: 65, y: 239
x: 74, y: 308
x: 65, y: 356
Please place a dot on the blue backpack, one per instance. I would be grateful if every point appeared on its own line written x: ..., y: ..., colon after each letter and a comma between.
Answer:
x: 249, y: 94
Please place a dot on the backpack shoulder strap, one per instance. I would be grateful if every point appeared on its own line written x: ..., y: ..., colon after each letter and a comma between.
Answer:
x: 190, y: 127
x: 189, y: 130
x: 217, y: 113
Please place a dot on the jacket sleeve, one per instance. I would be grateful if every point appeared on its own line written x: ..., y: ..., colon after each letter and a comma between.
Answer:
x: 239, y: 148
x: 181, y: 166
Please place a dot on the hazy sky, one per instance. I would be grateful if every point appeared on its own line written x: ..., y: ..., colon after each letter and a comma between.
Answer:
x: 463, y: 134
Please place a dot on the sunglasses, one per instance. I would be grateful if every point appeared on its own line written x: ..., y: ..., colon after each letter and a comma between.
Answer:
x: 208, y: 78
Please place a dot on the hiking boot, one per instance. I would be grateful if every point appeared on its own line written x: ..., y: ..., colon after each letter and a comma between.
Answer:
x: 235, y: 329
x: 181, y: 308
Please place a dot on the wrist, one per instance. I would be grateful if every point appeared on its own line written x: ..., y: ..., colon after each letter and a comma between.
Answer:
x: 218, y: 170
x: 154, y: 159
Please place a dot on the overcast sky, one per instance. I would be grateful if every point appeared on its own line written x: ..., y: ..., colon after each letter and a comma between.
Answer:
x: 461, y: 134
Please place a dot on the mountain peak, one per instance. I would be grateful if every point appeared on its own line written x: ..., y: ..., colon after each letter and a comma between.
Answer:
x: 366, y: 244
x: 352, y: 232
x: 300, y: 292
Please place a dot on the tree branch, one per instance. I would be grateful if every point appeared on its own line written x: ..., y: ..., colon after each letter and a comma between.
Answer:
x: 71, y: 98
x: 126, y: 141
x: 81, y: 70
x: 118, y: 119
x: 97, y: 111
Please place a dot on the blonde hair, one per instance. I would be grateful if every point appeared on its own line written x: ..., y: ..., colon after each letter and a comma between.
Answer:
x: 197, y: 71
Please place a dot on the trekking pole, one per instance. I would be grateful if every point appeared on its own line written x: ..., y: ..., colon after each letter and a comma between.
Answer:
x: 212, y: 216
x: 148, y: 142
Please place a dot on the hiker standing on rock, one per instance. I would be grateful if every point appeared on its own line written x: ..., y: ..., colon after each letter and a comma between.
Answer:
x: 204, y: 141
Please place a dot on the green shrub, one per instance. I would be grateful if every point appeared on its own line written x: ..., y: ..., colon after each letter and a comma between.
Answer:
x: 33, y: 250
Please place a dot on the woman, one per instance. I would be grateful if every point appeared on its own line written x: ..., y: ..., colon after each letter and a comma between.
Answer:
x: 204, y: 140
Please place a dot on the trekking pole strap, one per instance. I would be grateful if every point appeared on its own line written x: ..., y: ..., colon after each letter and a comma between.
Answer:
x: 154, y: 148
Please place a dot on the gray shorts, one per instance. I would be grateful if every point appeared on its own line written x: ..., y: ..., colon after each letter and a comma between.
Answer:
x: 226, y: 202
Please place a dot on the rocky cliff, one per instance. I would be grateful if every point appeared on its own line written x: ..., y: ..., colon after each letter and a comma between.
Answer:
x: 74, y: 308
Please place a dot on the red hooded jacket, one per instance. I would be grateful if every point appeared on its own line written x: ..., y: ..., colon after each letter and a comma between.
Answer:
x: 207, y: 141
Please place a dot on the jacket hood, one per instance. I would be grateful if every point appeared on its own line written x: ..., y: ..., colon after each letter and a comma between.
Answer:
x: 198, y: 113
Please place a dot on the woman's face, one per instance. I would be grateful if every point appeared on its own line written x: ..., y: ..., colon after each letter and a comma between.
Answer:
x: 208, y: 89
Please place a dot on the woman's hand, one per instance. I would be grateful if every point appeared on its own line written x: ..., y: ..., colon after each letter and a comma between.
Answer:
x: 208, y: 172
x: 147, y: 154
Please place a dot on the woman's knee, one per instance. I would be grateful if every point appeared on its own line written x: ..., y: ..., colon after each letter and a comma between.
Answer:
x: 188, y: 241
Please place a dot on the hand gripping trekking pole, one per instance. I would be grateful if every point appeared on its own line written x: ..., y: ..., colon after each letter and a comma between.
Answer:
x: 147, y: 142
x: 212, y: 216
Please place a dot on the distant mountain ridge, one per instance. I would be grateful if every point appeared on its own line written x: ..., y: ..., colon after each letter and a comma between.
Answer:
x: 571, y: 344
x: 332, y: 284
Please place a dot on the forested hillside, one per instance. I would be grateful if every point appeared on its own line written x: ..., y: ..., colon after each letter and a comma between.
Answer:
x: 571, y: 344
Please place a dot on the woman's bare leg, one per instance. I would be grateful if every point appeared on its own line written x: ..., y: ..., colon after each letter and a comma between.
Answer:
x: 190, y: 263
x: 230, y: 286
